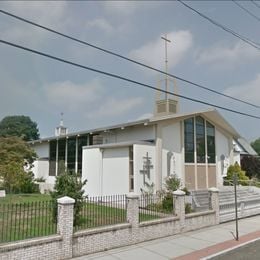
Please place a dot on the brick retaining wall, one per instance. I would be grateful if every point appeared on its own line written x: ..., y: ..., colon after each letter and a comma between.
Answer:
x: 66, y: 244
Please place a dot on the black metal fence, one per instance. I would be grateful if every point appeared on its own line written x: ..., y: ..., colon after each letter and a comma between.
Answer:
x: 102, y: 211
x: 155, y: 206
x: 26, y: 220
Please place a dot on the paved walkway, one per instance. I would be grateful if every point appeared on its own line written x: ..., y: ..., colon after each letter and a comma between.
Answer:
x: 187, y: 246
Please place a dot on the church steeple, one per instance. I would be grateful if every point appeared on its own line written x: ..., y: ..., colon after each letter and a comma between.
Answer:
x: 61, y: 129
x: 166, y: 103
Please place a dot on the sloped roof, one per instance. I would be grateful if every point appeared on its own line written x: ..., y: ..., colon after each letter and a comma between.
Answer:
x: 248, y: 149
x: 211, y: 115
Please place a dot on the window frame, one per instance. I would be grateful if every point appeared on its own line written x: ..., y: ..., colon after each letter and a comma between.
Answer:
x: 205, y: 136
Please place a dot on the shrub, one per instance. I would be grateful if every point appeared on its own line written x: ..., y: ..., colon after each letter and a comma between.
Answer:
x: 185, y: 189
x: 27, y: 183
x: 167, y: 202
x: 188, y: 208
x: 241, y: 175
x: 172, y: 183
x: 69, y: 184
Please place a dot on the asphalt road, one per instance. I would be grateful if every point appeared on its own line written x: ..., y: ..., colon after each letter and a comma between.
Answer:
x: 250, y: 251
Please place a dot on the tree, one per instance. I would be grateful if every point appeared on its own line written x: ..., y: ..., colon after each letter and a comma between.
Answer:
x: 251, y: 164
x: 16, y: 162
x: 256, y: 145
x: 21, y: 126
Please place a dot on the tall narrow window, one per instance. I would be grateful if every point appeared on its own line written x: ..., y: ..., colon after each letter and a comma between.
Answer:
x: 61, y: 155
x: 52, y: 160
x: 82, y: 141
x: 71, y: 156
x: 131, y: 169
x: 189, y: 140
x: 211, y: 143
x: 200, y: 140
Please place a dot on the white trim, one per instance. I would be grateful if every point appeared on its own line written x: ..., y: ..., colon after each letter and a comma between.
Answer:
x: 116, y: 145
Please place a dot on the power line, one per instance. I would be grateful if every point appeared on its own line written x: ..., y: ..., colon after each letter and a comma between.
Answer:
x: 255, y: 3
x: 246, y: 10
x: 124, y: 78
x: 254, y: 44
x: 126, y: 58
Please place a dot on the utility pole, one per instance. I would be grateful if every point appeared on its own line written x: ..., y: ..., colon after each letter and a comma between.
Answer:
x: 166, y: 65
x: 235, y: 189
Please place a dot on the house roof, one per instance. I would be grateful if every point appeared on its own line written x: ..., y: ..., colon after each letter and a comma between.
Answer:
x: 246, y: 147
x: 212, y: 115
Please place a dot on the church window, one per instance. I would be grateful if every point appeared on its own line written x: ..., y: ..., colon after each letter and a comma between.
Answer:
x: 200, y: 140
x: 199, y: 135
x: 71, y: 154
x: 211, y: 143
x: 82, y: 141
x: 131, y: 169
x: 189, y: 140
x: 52, y: 160
x: 61, y: 155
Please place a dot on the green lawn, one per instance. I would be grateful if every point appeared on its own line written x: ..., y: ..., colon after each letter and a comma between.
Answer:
x: 94, y: 215
x: 25, y: 216
x: 22, y: 198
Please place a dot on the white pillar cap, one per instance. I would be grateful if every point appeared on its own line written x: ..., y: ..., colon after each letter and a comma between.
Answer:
x: 66, y: 200
x: 214, y: 189
x: 179, y: 193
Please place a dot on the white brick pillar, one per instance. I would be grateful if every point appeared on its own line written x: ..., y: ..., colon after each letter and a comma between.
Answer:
x: 214, y: 202
x: 132, y: 210
x: 65, y: 224
x: 179, y: 205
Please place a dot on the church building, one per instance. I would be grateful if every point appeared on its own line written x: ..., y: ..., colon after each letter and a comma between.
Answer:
x: 134, y: 157
x: 137, y: 156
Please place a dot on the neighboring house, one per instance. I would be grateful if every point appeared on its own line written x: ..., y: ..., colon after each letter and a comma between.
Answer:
x: 197, y: 147
x: 243, y: 148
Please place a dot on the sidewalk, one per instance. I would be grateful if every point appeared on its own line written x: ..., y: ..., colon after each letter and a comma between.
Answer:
x: 191, y: 245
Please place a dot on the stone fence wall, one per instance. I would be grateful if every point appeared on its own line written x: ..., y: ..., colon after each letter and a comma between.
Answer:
x: 67, y: 244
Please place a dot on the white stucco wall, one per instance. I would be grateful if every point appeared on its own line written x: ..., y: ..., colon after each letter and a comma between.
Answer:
x: 116, y: 171
x: 222, y: 148
x: 236, y: 157
x: 41, y: 149
x: 41, y: 169
x: 41, y: 165
x: 171, y: 148
x: 91, y: 159
x: 129, y: 134
x: 107, y: 171
x: 141, y: 151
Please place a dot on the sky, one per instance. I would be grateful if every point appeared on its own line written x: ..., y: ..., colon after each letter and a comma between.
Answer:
x: 199, y: 51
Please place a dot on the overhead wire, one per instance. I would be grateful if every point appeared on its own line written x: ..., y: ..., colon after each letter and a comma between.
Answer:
x: 123, y: 78
x: 252, y: 43
x: 246, y: 10
x: 255, y: 3
x: 126, y: 58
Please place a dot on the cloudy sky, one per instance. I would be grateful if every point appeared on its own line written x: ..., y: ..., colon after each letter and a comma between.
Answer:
x: 42, y: 88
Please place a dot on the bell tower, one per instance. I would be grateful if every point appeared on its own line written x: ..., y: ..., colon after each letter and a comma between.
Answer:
x: 61, y: 129
x: 165, y: 103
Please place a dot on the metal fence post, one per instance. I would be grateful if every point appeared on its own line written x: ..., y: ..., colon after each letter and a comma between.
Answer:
x: 235, y: 178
